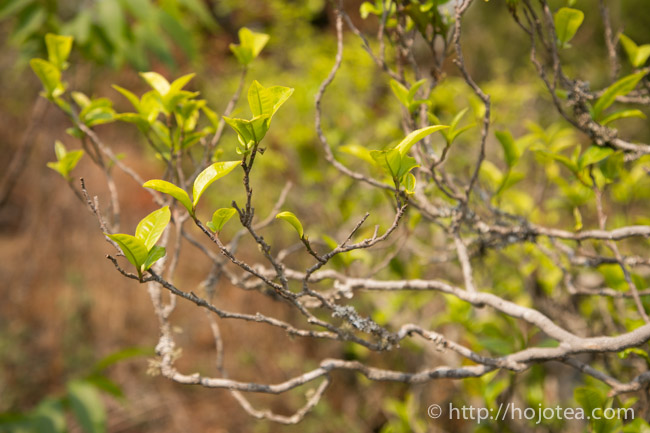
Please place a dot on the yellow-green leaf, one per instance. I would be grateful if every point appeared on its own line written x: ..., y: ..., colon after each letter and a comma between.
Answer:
x: 267, y: 100
x: 171, y: 189
x: 209, y: 175
x: 50, y: 77
x: 220, y: 217
x: 567, y: 22
x: 293, y: 220
x: 405, y: 145
x: 620, y: 88
x: 151, y: 227
x: 133, y: 248
x: 58, y: 50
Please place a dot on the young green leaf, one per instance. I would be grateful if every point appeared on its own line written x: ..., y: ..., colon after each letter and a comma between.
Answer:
x: 409, y: 183
x: 209, y: 175
x: 58, y: 50
x: 293, y: 220
x: 178, y: 84
x: 567, y: 22
x: 50, y: 77
x: 250, y: 45
x: 87, y: 405
x: 593, y: 155
x: 59, y: 150
x: 400, y: 91
x: 267, y: 100
x: 638, y: 55
x: 249, y: 131
x: 220, y: 217
x: 47, y: 417
x: 622, y: 114
x: 171, y: 189
x: 388, y: 160
x: 620, y: 88
x: 157, y: 82
x: 405, y: 145
x: 510, y: 149
x: 128, y: 95
x: 133, y: 248
x: 156, y: 253
x: 151, y: 227
x: 66, y: 161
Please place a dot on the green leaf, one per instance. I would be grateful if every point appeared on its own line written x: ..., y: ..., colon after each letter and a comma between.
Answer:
x: 406, y: 164
x: 414, y: 89
x: 48, y: 417
x: 106, y: 385
x: 578, y: 218
x: 209, y: 175
x: 638, y: 55
x: 58, y: 50
x: 409, y: 183
x: 156, y: 253
x: 592, y: 155
x: 171, y: 189
x: 212, y: 117
x: 128, y: 95
x: 66, y: 161
x: 250, y: 45
x: 400, y: 91
x: 567, y: 22
x: 358, y: 151
x: 220, y: 217
x: 510, y: 150
x: 50, y: 77
x: 249, y: 131
x: 266, y: 101
x: 620, y: 88
x: 293, y: 220
x: 121, y: 355
x: 622, y: 114
x: 59, y: 150
x: 80, y: 99
x: 178, y: 84
x: 133, y: 248
x: 157, y: 82
x: 87, y: 406
x: 151, y: 227
x: 405, y: 145
x: 388, y: 160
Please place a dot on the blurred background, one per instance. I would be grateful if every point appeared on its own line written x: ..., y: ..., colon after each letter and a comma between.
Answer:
x: 63, y: 305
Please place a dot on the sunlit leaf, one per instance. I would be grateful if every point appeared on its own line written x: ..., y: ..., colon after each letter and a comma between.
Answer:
x: 50, y: 77
x: 157, y: 82
x: 567, y: 22
x: 58, y: 49
x: 405, y: 145
x: 638, y: 55
x: 250, y: 45
x: 133, y: 248
x: 151, y: 227
x: 209, y: 175
x: 171, y: 189
x: 267, y: 100
x: 592, y: 155
x: 220, y: 217
x: 156, y: 253
x: 293, y: 220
